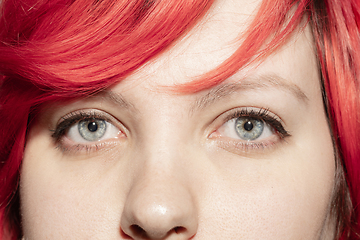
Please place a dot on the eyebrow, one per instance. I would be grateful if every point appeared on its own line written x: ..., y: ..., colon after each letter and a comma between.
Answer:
x: 220, y: 92
x: 251, y: 83
x: 116, y: 98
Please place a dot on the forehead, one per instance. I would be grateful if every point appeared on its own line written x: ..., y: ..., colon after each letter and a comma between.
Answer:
x: 216, y: 38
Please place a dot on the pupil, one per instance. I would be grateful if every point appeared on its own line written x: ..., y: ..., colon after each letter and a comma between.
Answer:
x: 248, y: 126
x: 92, y: 126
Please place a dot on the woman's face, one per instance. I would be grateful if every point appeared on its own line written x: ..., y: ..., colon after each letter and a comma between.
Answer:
x: 251, y: 158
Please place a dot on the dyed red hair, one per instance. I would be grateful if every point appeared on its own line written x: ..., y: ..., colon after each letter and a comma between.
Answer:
x: 53, y: 50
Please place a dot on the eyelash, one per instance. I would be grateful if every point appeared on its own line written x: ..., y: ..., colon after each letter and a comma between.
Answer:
x: 71, y: 119
x: 257, y: 114
x: 260, y: 114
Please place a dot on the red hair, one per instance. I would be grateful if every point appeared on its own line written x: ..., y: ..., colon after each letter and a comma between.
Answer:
x: 54, y: 50
x: 338, y: 43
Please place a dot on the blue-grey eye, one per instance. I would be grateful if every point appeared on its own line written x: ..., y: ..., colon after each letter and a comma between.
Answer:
x: 92, y: 130
x: 248, y: 128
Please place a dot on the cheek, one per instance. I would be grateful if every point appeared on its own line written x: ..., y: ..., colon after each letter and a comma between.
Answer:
x: 285, y: 196
x: 62, y: 202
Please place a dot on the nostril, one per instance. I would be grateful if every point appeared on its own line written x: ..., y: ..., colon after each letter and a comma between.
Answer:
x: 138, y: 231
x: 179, y: 229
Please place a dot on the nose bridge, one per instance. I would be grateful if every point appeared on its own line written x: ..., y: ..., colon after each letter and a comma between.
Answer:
x: 164, y: 135
x: 160, y: 203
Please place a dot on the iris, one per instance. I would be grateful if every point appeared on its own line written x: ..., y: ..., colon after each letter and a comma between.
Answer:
x: 92, y: 130
x: 248, y: 128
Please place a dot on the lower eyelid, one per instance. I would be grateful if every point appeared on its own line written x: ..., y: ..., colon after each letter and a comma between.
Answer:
x: 68, y: 147
x: 218, y: 136
x: 241, y: 147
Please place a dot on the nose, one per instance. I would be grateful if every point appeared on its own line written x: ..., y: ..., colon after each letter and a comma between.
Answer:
x: 159, y: 207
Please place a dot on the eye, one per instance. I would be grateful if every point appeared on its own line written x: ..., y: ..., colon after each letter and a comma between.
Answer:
x: 92, y: 130
x: 246, y: 128
x: 86, y: 129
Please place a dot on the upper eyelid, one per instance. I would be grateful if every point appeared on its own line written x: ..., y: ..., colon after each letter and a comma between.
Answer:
x: 82, y: 114
x: 249, y: 111
x: 253, y: 112
x: 86, y: 113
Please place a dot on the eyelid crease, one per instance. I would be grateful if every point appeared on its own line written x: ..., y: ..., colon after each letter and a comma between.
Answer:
x: 116, y: 98
x: 225, y: 90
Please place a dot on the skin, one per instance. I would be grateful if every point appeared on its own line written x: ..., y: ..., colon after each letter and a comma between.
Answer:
x: 173, y: 172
